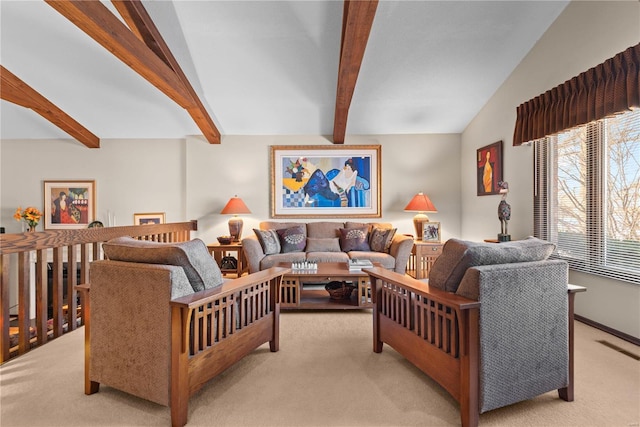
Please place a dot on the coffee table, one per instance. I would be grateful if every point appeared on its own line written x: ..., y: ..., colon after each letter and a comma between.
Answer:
x: 303, y: 289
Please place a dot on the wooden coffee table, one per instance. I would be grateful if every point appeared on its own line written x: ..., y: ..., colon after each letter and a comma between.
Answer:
x: 304, y: 289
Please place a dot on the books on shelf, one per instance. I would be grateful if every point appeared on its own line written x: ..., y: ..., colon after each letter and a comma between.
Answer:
x: 359, y: 264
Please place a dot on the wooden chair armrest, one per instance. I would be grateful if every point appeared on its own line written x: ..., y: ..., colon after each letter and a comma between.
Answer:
x: 422, y: 288
x: 228, y: 288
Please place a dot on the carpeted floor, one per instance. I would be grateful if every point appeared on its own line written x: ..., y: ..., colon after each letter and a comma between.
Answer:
x: 325, y: 374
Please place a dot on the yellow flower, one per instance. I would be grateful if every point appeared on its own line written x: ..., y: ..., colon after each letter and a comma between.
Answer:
x: 30, y: 215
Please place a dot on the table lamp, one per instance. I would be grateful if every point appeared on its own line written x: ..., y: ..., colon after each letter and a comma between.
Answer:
x: 235, y: 206
x: 421, y: 204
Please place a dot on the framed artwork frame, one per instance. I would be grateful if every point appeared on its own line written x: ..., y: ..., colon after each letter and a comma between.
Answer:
x: 325, y: 181
x: 69, y: 205
x: 489, y: 168
x: 148, y: 218
x: 431, y: 232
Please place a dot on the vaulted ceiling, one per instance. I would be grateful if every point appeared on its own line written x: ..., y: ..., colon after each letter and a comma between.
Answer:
x: 256, y: 67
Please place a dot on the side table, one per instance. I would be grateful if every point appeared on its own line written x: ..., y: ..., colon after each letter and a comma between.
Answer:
x: 422, y: 257
x: 218, y: 251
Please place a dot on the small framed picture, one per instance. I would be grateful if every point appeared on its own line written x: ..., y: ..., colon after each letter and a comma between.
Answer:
x: 69, y: 204
x: 431, y: 232
x: 148, y: 218
x: 489, y: 169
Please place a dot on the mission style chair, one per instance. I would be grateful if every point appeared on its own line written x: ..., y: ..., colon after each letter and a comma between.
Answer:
x: 161, y: 321
x: 493, y: 326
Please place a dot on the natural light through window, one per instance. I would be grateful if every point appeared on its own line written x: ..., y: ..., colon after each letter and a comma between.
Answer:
x: 588, y: 196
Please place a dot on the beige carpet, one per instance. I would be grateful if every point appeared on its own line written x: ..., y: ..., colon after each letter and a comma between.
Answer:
x: 325, y: 374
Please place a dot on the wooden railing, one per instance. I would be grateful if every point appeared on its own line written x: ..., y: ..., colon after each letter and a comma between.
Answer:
x: 24, y: 262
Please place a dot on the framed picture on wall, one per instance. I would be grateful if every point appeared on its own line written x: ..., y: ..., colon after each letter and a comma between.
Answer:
x: 69, y: 204
x: 489, y: 168
x: 148, y: 218
x: 325, y: 181
x: 431, y: 232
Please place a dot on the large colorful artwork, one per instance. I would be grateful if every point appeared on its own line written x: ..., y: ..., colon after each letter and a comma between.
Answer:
x: 315, y: 181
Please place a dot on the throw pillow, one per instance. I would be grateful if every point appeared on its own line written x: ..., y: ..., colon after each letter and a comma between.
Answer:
x: 380, y: 239
x: 458, y: 255
x: 193, y: 256
x: 331, y: 244
x: 269, y: 241
x: 293, y: 239
x: 354, y: 239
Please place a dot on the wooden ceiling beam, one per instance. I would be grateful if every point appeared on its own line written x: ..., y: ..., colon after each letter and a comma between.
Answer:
x: 141, y: 24
x: 99, y: 23
x: 357, y: 20
x: 16, y: 91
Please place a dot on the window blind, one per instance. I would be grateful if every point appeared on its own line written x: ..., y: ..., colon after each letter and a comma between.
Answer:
x: 587, y: 195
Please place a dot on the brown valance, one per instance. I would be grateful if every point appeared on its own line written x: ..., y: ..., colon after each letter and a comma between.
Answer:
x: 609, y: 88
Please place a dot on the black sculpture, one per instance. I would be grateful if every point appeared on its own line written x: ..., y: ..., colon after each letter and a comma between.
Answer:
x: 504, y: 212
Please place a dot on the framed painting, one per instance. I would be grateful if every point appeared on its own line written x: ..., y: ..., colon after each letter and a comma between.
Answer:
x: 431, y: 232
x: 148, y: 218
x: 489, y: 168
x: 331, y: 181
x: 69, y: 204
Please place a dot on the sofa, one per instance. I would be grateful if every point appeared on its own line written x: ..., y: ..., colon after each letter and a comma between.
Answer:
x: 326, y: 241
x: 493, y: 325
x: 161, y: 321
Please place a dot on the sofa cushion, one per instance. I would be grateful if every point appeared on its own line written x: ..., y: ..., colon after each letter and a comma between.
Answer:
x: 380, y: 239
x: 193, y: 256
x: 269, y: 240
x: 327, y: 257
x: 293, y: 239
x: 323, y: 245
x: 354, y: 239
x: 458, y: 255
x: 324, y: 229
x: 273, y: 260
x: 370, y: 225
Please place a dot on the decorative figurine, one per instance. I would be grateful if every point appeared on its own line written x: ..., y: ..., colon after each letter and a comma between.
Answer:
x: 504, y: 212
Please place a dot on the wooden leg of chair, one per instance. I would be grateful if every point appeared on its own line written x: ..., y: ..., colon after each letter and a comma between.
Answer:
x: 566, y: 393
x: 274, y: 344
x: 91, y: 387
x: 179, y: 399
x: 376, y: 291
x: 469, y: 374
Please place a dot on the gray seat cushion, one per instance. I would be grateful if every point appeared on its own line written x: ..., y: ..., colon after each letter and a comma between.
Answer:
x: 193, y: 256
x: 458, y: 255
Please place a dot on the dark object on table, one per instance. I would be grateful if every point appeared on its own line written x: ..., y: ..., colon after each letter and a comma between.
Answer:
x: 224, y: 240
x: 229, y: 263
x: 339, y: 290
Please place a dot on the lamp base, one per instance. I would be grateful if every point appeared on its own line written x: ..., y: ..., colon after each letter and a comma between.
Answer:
x: 235, y: 229
x: 418, y: 223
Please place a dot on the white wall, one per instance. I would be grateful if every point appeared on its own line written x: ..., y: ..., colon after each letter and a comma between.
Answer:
x: 584, y: 35
x: 191, y: 179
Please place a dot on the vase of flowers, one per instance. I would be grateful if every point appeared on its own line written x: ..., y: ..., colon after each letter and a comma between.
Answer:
x: 31, y: 216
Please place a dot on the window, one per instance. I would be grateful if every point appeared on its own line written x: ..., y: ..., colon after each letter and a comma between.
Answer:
x: 587, y: 198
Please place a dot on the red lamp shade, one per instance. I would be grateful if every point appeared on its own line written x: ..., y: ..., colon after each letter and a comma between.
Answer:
x: 235, y: 206
x: 421, y: 204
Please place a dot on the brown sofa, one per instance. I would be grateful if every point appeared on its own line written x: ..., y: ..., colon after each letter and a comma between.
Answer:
x: 326, y: 241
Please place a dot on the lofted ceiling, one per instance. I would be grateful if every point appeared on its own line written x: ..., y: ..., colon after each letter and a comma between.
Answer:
x: 271, y: 67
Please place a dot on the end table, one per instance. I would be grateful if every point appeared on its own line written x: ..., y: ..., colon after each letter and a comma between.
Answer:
x: 218, y: 251
x: 422, y: 257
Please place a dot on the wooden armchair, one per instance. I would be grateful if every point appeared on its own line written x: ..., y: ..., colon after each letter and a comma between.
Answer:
x: 148, y: 334
x: 503, y: 335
